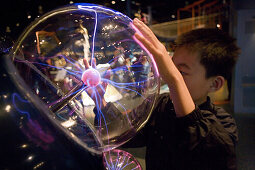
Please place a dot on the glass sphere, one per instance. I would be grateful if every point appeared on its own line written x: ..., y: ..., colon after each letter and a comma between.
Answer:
x: 119, y: 159
x: 83, y: 62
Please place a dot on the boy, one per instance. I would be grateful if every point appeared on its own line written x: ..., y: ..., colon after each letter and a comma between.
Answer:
x: 188, y: 131
x: 185, y: 130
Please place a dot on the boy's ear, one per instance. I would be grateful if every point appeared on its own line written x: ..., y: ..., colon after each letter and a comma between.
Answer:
x: 217, y: 83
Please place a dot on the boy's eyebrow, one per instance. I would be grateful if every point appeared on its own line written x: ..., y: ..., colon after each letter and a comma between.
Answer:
x: 184, y: 65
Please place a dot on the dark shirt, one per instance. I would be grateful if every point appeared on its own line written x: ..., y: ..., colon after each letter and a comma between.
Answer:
x: 204, y: 139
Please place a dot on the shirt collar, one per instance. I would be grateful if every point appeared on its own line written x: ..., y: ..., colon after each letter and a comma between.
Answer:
x: 206, y: 105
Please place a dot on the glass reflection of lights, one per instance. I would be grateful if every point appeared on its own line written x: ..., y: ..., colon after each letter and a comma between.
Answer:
x: 8, y: 108
x: 17, y: 99
x: 24, y: 146
x: 39, y: 165
x: 83, y: 63
x: 29, y: 126
x: 30, y: 157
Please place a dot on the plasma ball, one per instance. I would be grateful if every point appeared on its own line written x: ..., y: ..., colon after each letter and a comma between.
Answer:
x: 91, y: 77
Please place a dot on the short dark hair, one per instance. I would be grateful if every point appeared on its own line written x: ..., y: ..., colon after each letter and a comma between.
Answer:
x: 217, y: 50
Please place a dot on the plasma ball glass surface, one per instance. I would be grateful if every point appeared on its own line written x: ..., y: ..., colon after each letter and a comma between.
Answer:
x: 50, y: 58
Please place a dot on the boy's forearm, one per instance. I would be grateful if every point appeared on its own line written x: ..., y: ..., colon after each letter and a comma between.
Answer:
x: 182, y: 100
x: 102, y: 103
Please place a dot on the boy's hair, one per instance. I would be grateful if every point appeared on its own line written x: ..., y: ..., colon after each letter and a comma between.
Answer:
x: 218, y: 51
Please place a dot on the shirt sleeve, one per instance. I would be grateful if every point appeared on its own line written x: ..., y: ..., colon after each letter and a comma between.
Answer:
x: 208, y: 132
x: 201, y: 124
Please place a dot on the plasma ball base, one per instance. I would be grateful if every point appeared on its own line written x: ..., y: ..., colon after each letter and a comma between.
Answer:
x: 91, y: 77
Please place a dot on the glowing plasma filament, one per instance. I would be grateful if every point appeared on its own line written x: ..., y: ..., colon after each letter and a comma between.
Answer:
x: 91, y: 77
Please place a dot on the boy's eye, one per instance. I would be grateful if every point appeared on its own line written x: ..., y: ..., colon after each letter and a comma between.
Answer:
x: 183, y: 73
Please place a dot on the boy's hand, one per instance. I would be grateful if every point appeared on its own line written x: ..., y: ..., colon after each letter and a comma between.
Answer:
x: 97, y: 93
x: 164, y: 62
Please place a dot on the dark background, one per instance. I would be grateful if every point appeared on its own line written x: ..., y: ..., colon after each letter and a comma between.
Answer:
x: 14, y: 13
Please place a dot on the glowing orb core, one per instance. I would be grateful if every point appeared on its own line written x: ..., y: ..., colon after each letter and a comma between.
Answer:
x: 91, y: 77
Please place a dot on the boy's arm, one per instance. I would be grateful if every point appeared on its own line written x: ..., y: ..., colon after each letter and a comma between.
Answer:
x: 179, y: 92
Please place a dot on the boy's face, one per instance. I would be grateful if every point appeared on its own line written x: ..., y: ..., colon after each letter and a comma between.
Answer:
x: 193, y: 72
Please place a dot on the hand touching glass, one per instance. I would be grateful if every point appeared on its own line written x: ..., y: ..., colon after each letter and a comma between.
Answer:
x: 96, y: 88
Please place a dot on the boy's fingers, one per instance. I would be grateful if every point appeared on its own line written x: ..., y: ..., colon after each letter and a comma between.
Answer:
x: 146, y: 31
x: 144, y: 28
x: 107, y: 74
x: 94, y: 63
x: 147, y: 44
x: 86, y: 64
x: 104, y: 84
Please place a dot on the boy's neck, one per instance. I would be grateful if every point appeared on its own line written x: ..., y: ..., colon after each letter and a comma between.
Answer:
x: 200, y: 101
